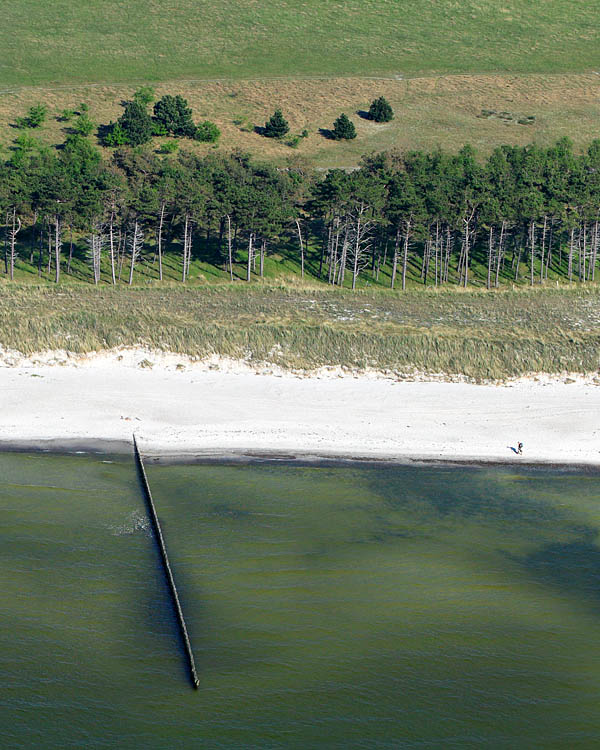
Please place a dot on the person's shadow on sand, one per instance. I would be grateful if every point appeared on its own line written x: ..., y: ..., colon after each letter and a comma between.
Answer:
x: 514, y: 450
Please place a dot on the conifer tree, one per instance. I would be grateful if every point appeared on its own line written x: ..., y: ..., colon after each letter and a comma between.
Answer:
x: 136, y: 123
x: 173, y: 113
x: 380, y: 110
x: 277, y: 126
x: 343, y: 129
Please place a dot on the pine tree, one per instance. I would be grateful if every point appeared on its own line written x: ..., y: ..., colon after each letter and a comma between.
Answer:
x: 173, y: 113
x: 277, y: 126
x: 380, y: 110
x: 343, y: 129
x: 136, y: 123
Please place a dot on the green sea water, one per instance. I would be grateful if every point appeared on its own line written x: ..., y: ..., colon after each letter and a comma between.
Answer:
x: 328, y: 607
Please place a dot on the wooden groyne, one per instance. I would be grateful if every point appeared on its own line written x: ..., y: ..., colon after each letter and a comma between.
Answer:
x: 166, y: 565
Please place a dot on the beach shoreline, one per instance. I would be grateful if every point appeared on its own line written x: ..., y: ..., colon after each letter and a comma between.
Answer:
x: 226, y: 411
x: 112, y: 450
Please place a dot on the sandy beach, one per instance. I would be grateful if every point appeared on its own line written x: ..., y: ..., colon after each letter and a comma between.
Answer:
x: 219, y: 408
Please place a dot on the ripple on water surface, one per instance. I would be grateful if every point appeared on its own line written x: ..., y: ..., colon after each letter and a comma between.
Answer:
x: 328, y: 607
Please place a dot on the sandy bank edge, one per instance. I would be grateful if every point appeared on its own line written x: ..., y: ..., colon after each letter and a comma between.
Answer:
x: 220, y: 410
x: 145, y: 358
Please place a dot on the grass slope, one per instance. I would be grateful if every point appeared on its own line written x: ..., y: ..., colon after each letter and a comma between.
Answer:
x: 434, y: 111
x: 68, y: 42
x: 477, y: 334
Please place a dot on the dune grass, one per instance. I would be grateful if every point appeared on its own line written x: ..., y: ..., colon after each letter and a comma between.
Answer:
x: 481, y: 335
x: 67, y: 42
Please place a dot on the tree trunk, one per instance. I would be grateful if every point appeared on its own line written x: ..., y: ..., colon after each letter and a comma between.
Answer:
x: 490, y: 252
x: 185, y: 249
x: 250, y: 253
x: 405, y: 255
x: 229, y: 249
x: 594, y: 252
x: 136, y: 242
x: 571, y: 247
x: 41, y: 252
x: 32, y: 248
x: 57, y: 244
x: 49, y: 245
x: 70, y: 248
x: 160, y: 231
x: 356, y: 254
x: 301, y: 248
x: 344, y: 256
x: 500, y: 254
x: 111, y: 238
x: 16, y: 228
x: 263, y: 248
x: 543, y: 250
x: 437, y: 248
x: 549, y: 253
x: 532, y: 247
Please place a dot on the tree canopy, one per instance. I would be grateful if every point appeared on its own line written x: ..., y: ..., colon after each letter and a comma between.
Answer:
x: 343, y: 128
x: 276, y: 126
x: 381, y: 110
x: 523, y: 213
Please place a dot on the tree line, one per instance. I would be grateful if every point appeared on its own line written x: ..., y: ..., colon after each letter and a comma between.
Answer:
x: 520, y: 214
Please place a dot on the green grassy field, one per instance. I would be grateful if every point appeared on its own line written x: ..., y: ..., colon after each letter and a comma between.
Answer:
x: 67, y: 42
x: 482, y: 335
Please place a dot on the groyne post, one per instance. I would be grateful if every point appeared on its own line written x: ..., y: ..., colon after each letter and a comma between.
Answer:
x: 166, y: 565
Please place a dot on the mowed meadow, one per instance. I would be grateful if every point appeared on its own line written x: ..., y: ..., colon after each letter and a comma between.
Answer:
x: 67, y: 42
x: 454, y: 72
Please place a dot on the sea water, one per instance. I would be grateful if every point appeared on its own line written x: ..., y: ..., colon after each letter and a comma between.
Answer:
x: 328, y: 607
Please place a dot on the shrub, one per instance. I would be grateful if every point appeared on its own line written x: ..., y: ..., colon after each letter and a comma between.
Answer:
x: 207, y: 132
x: 115, y: 135
x: 67, y: 115
x: 380, y: 110
x: 83, y: 125
x: 34, y: 117
x: 26, y: 142
x: 276, y: 126
x: 158, y: 128
x: 343, y: 129
x: 169, y: 147
x: 144, y: 96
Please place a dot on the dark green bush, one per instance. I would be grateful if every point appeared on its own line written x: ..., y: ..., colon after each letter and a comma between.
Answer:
x: 343, y: 129
x: 276, y: 126
x: 380, y: 110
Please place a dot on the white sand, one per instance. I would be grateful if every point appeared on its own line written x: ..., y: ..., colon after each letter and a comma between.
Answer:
x: 233, y: 409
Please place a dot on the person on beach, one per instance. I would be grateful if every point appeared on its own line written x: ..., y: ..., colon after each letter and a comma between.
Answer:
x: 520, y: 448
